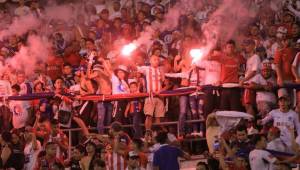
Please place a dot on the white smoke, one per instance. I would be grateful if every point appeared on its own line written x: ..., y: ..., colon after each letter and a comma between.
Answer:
x: 170, y: 21
x: 23, y: 24
x: 20, y: 25
x: 223, y: 24
x: 35, y: 50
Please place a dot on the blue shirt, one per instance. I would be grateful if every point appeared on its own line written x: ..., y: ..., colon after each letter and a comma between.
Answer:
x: 166, y: 157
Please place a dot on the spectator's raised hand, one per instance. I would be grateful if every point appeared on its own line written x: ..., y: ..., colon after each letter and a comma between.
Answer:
x: 91, y: 57
x: 177, y: 58
x: 279, y: 81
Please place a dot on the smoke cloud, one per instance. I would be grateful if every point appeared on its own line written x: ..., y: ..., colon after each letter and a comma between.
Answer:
x: 224, y: 23
x: 20, y: 26
x: 36, y: 50
x: 227, y: 20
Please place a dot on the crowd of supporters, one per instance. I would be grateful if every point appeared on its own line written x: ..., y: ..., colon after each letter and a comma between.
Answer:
x: 256, y: 71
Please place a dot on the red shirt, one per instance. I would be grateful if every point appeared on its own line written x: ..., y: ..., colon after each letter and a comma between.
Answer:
x: 284, y: 59
x: 143, y: 159
x: 73, y: 59
x: 230, y: 67
x: 54, y: 67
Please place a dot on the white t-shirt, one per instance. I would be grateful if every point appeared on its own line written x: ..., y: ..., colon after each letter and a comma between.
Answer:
x: 20, y: 113
x: 21, y: 11
x: 119, y: 86
x: 264, y: 95
x: 261, y: 159
x: 5, y: 88
x: 154, y: 77
x: 100, y: 7
x: 296, y: 62
x: 31, y: 155
x: 191, y: 75
x: 252, y: 64
x: 278, y: 145
x: 114, y: 15
x: 75, y: 88
x: 282, y: 121
x: 212, y: 72
x: 273, y: 50
x: 201, y: 15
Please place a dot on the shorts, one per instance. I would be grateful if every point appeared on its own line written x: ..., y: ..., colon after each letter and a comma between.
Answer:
x: 249, y: 97
x: 154, y: 107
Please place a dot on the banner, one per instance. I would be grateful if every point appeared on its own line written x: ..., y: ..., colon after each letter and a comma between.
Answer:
x: 101, y: 97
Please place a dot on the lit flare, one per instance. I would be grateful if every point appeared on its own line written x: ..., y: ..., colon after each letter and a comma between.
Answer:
x: 128, y: 49
x: 196, y: 54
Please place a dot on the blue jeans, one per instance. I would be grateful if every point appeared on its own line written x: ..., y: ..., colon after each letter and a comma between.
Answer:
x: 183, y: 109
x: 196, y: 104
x: 104, y: 110
x: 136, y: 120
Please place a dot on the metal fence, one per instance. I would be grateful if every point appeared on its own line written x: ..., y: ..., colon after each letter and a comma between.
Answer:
x: 70, y: 130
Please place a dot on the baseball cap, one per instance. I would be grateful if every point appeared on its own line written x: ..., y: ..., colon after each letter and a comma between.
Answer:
x: 123, y: 68
x: 260, y: 49
x: 125, y: 25
x: 288, y: 13
x: 97, y: 67
x: 147, y: 21
x: 249, y: 42
x: 281, y: 32
x: 266, y: 64
x: 133, y: 154
x: 124, y: 139
x: 282, y: 93
x: 91, y: 142
x: 130, y: 81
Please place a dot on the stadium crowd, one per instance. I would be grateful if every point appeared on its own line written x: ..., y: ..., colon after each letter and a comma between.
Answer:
x: 256, y: 71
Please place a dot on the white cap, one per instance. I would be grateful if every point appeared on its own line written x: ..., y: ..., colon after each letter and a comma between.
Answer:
x: 123, y: 68
x: 97, y: 67
x: 132, y: 81
x: 282, y: 93
x: 281, y: 32
x: 133, y: 154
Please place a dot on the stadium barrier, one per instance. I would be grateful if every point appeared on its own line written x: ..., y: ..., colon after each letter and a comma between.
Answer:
x: 101, y: 98
x: 116, y: 97
x: 70, y: 130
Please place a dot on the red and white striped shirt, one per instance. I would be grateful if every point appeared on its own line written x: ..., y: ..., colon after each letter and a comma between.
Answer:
x: 154, y: 78
x: 115, y: 161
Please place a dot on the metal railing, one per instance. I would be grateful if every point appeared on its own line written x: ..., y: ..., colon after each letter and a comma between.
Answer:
x: 70, y: 130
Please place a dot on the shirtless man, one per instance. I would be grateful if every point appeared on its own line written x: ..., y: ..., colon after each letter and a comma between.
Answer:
x: 103, y: 79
